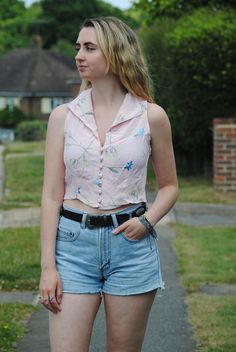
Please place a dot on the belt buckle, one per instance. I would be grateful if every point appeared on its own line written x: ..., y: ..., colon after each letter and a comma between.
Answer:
x: 88, y: 222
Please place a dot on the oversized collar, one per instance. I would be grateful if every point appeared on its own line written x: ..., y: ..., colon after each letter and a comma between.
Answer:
x: 82, y: 108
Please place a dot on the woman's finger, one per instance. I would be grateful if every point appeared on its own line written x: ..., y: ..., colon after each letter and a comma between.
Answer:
x: 120, y: 228
x: 45, y: 301
x: 59, y: 292
x: 53, y: 302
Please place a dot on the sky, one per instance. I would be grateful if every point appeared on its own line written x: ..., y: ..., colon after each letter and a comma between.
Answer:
x: 122, y: 4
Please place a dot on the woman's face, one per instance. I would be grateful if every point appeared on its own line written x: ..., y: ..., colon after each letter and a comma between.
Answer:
x: 90, y: 60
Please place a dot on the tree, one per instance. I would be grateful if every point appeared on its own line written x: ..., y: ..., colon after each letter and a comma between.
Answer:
x: 193, y: 66
x: 64, y: 18
x: 11, y: 9
x: 16, y: 24
x: 178, y: 8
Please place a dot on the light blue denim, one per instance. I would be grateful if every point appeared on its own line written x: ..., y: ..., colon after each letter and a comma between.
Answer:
x: 96, y: 261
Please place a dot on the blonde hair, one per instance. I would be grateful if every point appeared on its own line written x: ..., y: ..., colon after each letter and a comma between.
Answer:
x: 119, y: 44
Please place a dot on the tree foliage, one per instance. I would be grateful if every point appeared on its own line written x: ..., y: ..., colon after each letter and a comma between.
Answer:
x: 57, y: 22
x: 178, y: 8
x: 16, y: 24
x: 63, y: 19
x: 193, y: 67
x: 11, y: 9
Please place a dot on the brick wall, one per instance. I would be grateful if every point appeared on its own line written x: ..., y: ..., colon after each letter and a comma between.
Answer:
x: 224, y: 163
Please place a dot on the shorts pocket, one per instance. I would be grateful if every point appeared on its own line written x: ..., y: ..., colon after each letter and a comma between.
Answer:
x: 66, y: 231
x: 67, y: 236
x: 131, y: 241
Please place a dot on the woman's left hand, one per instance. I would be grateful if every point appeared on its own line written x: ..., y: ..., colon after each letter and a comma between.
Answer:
x: 133, y: 229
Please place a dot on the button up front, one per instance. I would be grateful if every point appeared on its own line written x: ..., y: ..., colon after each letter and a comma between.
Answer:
x: 114, y: 174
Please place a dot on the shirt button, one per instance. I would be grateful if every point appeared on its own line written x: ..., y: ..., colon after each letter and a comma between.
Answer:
x: 100, y: 174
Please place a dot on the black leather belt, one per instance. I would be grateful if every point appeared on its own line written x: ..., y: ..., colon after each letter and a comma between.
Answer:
x: 102, y: 220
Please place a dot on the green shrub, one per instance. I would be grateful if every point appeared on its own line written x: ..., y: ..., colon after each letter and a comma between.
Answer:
x: 31, y: 130
x: 193, y: 59
x: 11, y: 118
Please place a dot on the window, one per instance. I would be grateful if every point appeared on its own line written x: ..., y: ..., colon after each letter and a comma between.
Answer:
x: 48, y: 104
x: 9, y: 102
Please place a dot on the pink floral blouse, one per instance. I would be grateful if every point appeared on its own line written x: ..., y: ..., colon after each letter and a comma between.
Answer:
x: 114, y: 174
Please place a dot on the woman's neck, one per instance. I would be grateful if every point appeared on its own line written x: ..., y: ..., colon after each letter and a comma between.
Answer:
x: 107, y: 92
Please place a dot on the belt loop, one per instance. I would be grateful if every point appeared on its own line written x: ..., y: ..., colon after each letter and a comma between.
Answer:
x: 84, y: 220
x: 114, y: 219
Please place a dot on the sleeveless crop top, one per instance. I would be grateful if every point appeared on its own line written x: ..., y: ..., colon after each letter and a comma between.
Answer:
x: 114, y: 174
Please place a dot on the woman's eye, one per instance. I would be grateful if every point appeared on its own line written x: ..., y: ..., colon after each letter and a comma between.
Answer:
x: 89, y: 48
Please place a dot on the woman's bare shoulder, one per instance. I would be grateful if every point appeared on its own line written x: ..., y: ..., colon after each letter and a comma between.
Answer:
x: 157, y: 116
x: 59, y: 113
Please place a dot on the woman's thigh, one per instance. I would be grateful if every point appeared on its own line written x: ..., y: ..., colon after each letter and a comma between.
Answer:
x: 127, y: 318
x: 70, y: 330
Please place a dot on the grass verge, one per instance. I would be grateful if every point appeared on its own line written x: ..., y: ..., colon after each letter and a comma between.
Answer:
x: 24, y: 179
x: 214, y: 320
x: 207, y: 255
x: 195, y: 190
x: 13, y: 317
x: 24, y: 147
x: 23, y: 174
x: 20, y: 259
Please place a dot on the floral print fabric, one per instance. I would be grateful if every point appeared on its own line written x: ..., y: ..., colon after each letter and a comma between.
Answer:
x: 114, y: 174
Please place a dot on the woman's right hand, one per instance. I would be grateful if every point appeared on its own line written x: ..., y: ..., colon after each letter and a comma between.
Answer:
x: 50, y: 289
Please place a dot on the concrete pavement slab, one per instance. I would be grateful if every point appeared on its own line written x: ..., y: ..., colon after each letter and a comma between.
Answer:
x: 198, y: 214
x: 19, y: 296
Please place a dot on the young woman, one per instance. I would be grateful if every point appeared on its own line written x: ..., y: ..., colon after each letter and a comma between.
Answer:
x: 97, y: 235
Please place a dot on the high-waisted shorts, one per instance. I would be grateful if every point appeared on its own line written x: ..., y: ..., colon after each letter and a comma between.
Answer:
x: 96, y: 261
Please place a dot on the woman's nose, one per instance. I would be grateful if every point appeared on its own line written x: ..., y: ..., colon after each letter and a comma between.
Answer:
x: 79, y: 55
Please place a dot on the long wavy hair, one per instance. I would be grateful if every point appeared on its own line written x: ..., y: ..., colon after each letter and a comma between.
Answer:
x: 120, y: 46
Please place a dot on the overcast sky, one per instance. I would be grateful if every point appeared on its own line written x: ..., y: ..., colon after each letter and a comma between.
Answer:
x: 122, y: 4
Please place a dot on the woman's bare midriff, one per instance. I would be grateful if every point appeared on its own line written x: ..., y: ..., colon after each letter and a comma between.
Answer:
x: 76, y: 203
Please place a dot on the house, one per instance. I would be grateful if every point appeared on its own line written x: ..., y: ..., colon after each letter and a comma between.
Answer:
x: 37, y: 80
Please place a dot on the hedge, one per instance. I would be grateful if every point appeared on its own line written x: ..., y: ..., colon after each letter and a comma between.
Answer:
x: 31, y: 130
x: 192, y: 61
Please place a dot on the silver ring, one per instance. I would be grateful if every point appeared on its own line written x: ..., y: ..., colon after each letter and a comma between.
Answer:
x: 51, y: 298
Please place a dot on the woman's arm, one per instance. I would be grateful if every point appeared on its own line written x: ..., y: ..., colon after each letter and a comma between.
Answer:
x: 163, y: 160
x: 162, y: 156
x: 52, y: 198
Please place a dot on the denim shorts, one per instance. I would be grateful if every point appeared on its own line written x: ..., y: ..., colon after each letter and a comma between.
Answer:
x: 96, y: 261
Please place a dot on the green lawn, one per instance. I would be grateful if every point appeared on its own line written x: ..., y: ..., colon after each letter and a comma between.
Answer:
x: 20, y: 259
x: 23, y: 174
x: 24, y: 178
x: 214, y: 321
x: 19, y: 270
x: 207, y: 255
x: 195, y: 190
x: 12, y: 323
x: 24, y: 147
